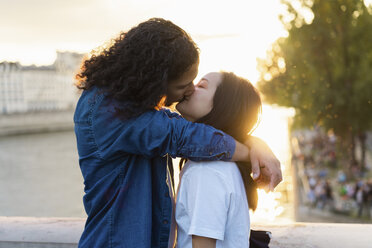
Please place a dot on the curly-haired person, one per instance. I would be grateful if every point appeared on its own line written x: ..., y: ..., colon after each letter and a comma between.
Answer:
x: 126, y: 139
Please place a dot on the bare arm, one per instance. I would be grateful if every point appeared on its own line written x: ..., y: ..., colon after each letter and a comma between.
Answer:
x: 241, y: 152
x: 265, y: 166
x: 203, y: 242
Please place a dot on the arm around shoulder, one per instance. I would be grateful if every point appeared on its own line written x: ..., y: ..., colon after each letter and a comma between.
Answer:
x: 155, y: 133
x: 241, y: 152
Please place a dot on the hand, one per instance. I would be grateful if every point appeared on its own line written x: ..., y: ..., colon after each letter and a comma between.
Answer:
x: 265, y: 166
x: 263, y: 181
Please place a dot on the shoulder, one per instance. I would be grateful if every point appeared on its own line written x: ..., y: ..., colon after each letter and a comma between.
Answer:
x: 170, y: 113
x: 215, y: 167
x: 218, y: 170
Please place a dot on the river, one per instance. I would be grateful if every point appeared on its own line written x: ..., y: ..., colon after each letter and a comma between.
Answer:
x: 40, y: 174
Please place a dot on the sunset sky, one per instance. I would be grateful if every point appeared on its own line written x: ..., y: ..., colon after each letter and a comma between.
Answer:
x: 231, y: 36
x: 229, y: 33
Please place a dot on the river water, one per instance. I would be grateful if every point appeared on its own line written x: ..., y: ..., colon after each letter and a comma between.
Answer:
x: 40, y: 174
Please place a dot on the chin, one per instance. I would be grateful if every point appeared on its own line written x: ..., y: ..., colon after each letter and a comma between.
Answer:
x: 177, y: 107
x: 180, y: 109
x: 183, y: 114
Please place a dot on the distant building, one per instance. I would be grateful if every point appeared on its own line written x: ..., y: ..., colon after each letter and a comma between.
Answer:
x: 39, y: 88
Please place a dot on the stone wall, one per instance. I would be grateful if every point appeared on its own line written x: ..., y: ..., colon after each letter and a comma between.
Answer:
x: 65, y: 232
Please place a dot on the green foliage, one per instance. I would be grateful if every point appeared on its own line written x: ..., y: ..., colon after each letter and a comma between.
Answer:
x: 323, y: 68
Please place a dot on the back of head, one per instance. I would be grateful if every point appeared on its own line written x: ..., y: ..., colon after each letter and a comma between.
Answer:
x: 138, y: 65
x: 236, y: 111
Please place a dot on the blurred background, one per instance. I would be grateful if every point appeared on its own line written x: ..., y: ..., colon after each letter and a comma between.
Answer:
x: 310, y: 59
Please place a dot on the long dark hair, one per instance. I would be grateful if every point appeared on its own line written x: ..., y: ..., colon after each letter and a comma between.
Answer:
x: 236, y: 111
x: 139, y: 64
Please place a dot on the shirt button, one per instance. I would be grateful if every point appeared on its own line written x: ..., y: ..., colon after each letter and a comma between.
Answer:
x: 165, y: 222
x: 166, y: 194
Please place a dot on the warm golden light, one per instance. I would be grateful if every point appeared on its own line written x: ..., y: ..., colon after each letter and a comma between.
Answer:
x: 231, y: 36
x: 268, y: 207
x: 32, y: 37
x: 273, y: 129
x: 238, y: 53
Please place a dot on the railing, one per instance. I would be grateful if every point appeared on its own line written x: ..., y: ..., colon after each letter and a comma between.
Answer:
x: 65, y: 233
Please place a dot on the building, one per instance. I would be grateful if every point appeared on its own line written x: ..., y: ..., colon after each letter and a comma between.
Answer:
x: 39, y: 88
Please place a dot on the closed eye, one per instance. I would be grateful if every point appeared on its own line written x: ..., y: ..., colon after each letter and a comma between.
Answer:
x: 203, y: 83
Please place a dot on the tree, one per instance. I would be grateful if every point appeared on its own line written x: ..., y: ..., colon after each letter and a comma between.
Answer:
x: 323, y: 68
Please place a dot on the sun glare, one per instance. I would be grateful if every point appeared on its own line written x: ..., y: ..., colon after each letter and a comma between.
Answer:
x: 273, y: 129
x: 231, y: 36
x: 269, y: 207
x: 233, y: 43
x: 238, y: 52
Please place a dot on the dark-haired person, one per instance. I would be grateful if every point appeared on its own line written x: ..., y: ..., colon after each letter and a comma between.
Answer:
x: 214, y: 197
x: 125, y: 138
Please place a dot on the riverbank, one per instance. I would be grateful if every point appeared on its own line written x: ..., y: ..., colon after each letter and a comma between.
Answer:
x: 36, y: 122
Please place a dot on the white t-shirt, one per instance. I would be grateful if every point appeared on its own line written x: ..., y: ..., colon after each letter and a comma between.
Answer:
x: 211, y: 202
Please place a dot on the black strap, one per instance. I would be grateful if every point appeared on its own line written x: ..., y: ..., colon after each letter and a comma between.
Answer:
x: 259, y: 239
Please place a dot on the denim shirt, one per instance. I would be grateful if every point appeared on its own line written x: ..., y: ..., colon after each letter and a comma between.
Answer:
x: 124, y: 165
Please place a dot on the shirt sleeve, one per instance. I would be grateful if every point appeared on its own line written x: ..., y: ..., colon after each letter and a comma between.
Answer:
x: 171, y: 114
x: 154, y: 134
x: 203, y: 203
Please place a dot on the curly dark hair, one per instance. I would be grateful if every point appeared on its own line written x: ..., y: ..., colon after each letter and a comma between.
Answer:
x: 136, y: 69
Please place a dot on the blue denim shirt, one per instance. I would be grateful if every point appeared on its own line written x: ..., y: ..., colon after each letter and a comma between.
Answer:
x: 124, y: 165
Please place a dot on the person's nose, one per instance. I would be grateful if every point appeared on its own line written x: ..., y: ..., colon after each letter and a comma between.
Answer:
x: 190, y: 90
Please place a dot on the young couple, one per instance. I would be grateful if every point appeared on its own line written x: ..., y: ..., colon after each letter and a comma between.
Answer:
x: 126, y: 139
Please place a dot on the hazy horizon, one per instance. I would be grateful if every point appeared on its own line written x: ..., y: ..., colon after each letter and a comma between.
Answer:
x: 32, y: 31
